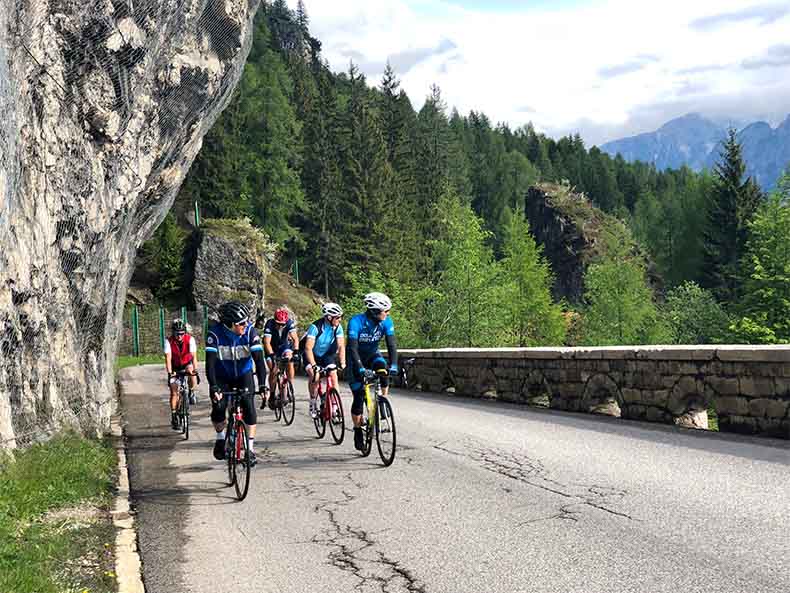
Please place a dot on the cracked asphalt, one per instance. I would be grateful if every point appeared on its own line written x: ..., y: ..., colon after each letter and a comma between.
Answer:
x: 482, y: 497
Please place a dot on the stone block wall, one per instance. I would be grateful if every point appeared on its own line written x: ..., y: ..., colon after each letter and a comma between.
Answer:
x: 747, y: 387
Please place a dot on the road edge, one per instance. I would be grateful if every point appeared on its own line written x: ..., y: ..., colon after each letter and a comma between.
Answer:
x: 128, y: 566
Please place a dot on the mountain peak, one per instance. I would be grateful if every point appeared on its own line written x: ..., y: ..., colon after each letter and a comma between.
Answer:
x: 693, y: 140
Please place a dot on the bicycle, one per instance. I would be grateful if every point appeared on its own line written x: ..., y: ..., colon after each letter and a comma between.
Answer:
x: 284, y: 402
x: 403, y: 377
x: 330, y: 408
x: 379, y: 420
x: 237, y: 452
x: 185, y: 395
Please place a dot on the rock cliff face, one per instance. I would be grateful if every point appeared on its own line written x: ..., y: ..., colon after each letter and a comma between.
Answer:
x: 104, y: 104
x: 572, y: 234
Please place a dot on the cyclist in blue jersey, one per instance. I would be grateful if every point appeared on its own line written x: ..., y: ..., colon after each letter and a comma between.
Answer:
x: 232, y: 345
x: 279, y: 340
x: 324, y: 343
x: 364, y: 334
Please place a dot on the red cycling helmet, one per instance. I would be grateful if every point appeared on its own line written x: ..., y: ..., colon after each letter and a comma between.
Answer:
x: 281, y: 315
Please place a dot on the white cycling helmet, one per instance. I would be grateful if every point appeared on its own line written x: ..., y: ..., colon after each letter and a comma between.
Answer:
x: 378, y: 300
x: 332, y: 310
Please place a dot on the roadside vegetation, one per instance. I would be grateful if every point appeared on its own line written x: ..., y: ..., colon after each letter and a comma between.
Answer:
x: 56, y: 535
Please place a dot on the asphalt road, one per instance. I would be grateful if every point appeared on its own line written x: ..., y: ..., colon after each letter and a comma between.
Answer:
x: 483, y: 496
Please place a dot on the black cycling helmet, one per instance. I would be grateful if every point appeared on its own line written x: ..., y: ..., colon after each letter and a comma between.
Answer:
x: 178, y: 326
x: 233, y: 312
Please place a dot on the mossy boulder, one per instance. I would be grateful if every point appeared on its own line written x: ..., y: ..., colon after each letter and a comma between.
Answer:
x: 232, y: 262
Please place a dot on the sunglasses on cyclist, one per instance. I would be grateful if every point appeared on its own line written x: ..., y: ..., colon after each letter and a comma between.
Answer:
x: 241, y: 323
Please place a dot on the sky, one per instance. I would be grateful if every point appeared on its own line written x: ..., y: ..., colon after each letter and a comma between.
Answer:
x: 604, y: 69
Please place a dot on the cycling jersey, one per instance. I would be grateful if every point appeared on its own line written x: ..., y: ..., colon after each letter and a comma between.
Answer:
x: 279, y: 336
x: 369, y: 333
x: 181, y: 353
x: 326, y: 343
x: 234, y: 352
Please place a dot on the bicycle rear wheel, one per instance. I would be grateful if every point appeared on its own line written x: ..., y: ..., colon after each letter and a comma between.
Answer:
x: 337, y: 422
x: 385, y: 432
x: 319, y: 421
x: 241, y: 465
x: 185, y: 415
x: 288, y: 404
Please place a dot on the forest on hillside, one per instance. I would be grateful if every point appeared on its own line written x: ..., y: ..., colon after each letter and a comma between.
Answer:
x: 428, y: 205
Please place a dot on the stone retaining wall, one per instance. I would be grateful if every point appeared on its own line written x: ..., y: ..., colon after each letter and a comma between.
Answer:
x: 747, y: 387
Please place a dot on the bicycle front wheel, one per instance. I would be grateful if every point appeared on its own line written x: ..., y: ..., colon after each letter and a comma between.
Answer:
x: 319, y: 421
x: 337, y: 422
x: 184, y: 412
x: 241, y: 464
x: 278, y: 403
x: 229, y: 454
x: 289, y: 404
x: 385, y: 432
x: 367, y: 431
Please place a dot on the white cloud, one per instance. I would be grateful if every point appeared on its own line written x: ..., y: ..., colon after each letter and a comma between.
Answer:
x: 602, y: 68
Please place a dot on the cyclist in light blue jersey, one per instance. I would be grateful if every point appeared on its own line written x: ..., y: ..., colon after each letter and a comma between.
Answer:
x: 324, y: 343
x: 364, y: 334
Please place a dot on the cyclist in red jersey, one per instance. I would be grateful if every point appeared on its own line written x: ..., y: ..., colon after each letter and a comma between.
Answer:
x: 180, y: 355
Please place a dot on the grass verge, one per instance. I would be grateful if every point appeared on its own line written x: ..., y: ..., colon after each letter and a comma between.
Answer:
x: 129, y: 361
x: 56, y: 535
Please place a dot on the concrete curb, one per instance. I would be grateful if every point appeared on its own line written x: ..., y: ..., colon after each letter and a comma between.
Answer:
x: 128, y: 568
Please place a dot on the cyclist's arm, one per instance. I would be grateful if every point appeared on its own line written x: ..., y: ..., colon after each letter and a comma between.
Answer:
x: 267, y: 345
x: 392, y: 350
x: 353, y: 347
x: 193, y: 351
x: 260, y: 367
x: 211, y: 358
x: 168, y: 362
x: 341, y: 350
x: 294, y: 338
x: 308, y: 349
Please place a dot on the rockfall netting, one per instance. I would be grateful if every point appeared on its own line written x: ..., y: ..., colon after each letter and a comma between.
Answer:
x: 104, y: 104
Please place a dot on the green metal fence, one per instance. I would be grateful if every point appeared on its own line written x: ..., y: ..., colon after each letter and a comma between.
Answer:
x: 146, y: 327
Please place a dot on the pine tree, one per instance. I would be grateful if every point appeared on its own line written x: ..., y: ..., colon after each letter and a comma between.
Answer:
x: 533, y: 318
x: 733, y: 203
x: 765, y: 309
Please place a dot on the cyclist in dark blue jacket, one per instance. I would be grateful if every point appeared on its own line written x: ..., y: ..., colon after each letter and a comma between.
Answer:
x: 232, y: 346
x: 364, y: 334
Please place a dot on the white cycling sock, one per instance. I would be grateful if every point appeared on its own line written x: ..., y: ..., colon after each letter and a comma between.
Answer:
x: 251, y: 444
x: 221, y: 435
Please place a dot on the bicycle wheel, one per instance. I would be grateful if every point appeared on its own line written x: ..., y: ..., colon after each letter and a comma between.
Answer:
x: 185, y: 416
x: 319, y: 421
x: 367, y: 431
x: 385, y: 432
x: 278, y: 402
x: 241, y: 465
x: 337, y: 422
x: 288, y: 404
x: 229, y: 454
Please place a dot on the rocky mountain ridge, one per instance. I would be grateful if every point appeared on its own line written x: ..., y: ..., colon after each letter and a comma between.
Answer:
x: 695, y: 141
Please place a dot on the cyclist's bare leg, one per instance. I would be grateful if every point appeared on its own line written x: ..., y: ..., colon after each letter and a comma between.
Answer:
x: 192, y: 378
x: 312, y: 382
x: 272, y: 374
x: 173, y: 397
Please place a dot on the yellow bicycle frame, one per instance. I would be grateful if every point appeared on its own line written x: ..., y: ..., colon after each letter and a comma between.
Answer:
x: 372, y: 402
